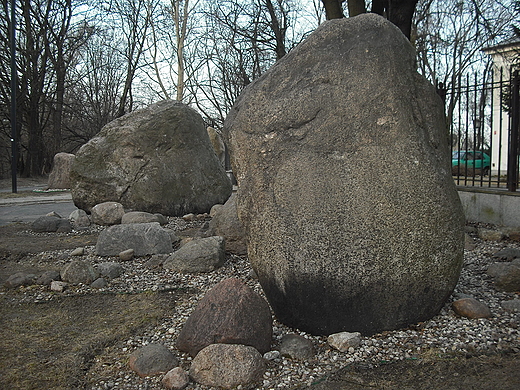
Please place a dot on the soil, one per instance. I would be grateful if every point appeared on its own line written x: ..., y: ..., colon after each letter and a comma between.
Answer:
x: 52, y: 344
x: 497, y: 372
x: 41, y: 347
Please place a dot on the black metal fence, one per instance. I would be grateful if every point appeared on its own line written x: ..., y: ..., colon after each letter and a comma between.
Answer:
x: 483, y: 121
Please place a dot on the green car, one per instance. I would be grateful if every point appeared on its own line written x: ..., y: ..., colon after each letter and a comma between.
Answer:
x: 469, y: 162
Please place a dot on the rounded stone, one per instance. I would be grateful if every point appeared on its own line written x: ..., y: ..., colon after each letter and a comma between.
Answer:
x: 471, y: 308
x: 352, y: 218
x: 176, y: 379
x: 152, y: 359
x: 227, y: 366
x: 297, y: 347
x: 230, y: 313
x: 157, y: 159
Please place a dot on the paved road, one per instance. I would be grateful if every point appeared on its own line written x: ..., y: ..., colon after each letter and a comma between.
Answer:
x: 29, y: 208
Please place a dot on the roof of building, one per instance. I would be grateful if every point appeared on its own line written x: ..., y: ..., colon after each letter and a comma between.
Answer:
x: 512, y: 42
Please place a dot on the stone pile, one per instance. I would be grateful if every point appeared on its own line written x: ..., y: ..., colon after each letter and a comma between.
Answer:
x: 126, y: 235
x: 291, y: 360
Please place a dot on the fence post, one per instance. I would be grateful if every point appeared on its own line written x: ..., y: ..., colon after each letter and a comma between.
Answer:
x: 512, y: 161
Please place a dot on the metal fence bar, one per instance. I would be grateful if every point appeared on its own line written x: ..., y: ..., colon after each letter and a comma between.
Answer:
x: 512, y: 161
x: 489, y: 87
x: 482, y: 115
x: 501, y: 120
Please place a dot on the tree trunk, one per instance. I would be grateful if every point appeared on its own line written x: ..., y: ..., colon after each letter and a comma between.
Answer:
x: 333, y: 9
x: 279, y: 32
x: 356, y: 7
x: 400, y: 13
x: 35, y: 59
x: 180, y: 31
x: 58, y: 107
x: 379, y: 7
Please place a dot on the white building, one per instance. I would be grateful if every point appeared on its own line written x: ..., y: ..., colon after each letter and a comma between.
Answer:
x: 506, y: 57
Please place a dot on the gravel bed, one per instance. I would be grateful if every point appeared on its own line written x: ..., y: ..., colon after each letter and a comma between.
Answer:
x: 445, y: 334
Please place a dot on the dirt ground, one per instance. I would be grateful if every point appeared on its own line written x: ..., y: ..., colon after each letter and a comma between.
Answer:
x: 40, y: 347
x: 498, y: 372
x: 52, y: 344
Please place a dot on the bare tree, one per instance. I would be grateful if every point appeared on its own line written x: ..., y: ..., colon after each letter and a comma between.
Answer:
x: 63, y: 41
x: 132, y: 18
x: 92, y: 98
x: 180, y: 17
x: 399, y: 12
x: 449, y: 40
x: 49, y: 35
x: 173, y: 43
x: 241, y: 41
x: 334, y: 9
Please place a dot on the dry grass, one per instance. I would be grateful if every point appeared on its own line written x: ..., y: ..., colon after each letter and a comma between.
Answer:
x: 53, y: 344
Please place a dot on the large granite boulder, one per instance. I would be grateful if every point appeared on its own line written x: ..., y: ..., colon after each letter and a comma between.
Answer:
x: 59, y: 178
x: 225, y: 223
x: 158, y: 159
x: 340, y: 150
x: 218, y: 144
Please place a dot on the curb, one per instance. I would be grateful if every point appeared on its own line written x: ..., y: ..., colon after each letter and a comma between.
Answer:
x: 29, y: 200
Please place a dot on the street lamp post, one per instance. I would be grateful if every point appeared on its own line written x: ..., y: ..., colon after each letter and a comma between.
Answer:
x: 14, y: 149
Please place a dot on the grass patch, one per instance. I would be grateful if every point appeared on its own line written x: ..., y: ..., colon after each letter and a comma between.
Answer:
x: 53, y: 344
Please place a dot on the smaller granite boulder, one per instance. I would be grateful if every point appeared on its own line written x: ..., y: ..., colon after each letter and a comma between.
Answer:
x: 59, y: 178
x: 78, y: 252
x: 176, y: 379
x: 58, y: 286
x: 46, y: 278
x: 143, y: 238
x: 471, y: 308
x: 107, y: 213
x: 230, y: 313
x: 297, y: 347
x: 78, y: 271
x: 126, y: 255
x: 79, y: 219
x: 506, y: 275
x: 152, y: 359
x: 343, y: 341
x: 225, y: 223
x: 511, y: 305
x: 20, y: 279
x: 51, y: 223
x: 110, y: 269
x: 156, y: 261
x: 227, y: 366
x: 202, y: 255
x: 507, y: 254
x: 141, y: 217
x: 99, y: 283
